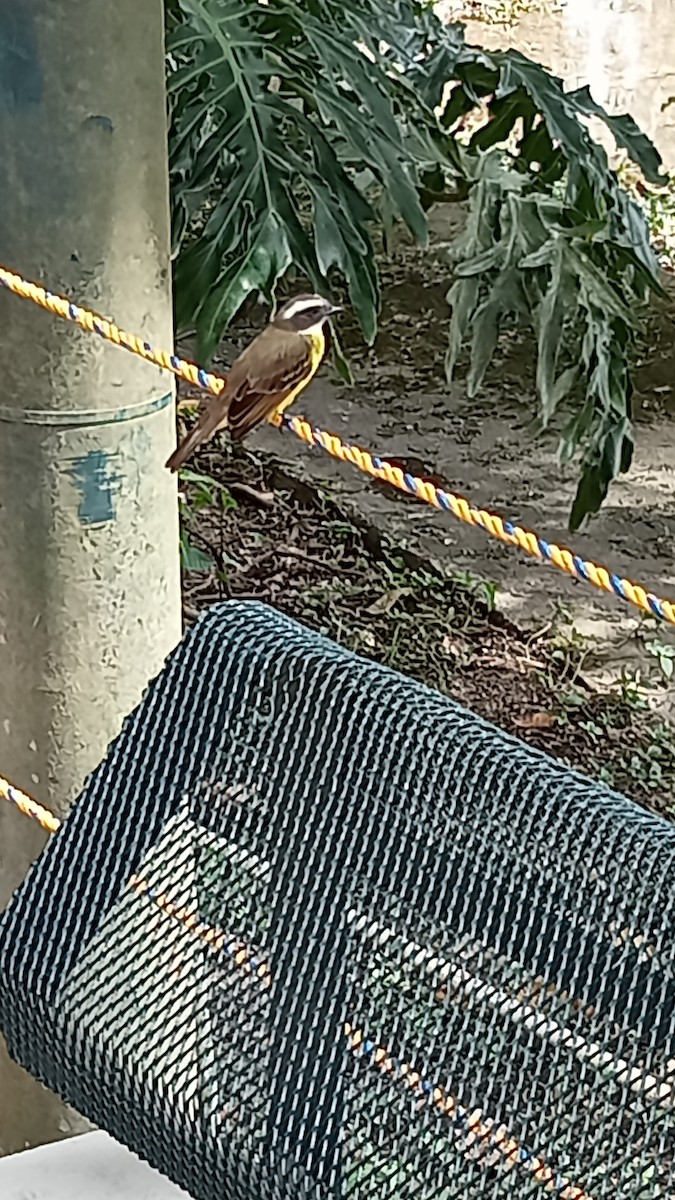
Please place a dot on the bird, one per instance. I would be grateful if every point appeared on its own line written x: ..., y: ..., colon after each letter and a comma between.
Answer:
x: 268, y: 375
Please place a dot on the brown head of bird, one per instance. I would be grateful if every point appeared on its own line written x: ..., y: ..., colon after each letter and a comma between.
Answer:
x: 304, y: 314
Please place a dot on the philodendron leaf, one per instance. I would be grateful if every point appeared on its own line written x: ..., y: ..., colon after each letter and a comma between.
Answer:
x: 341, y: 241
x: 192, y: 558
x: 263, y: 257
x: 549, y: 319
x: 294, y: 123
x: 485, y: 331
x: 611, y: 454
x: 627, y: 134
x: 463, y: 299
x: 273, y: 105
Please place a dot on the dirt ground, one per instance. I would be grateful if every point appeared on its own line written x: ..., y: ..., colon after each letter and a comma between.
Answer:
x: 577, y: 673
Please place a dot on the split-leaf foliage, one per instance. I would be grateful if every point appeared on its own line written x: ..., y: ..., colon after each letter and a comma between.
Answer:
x: 301, y: 128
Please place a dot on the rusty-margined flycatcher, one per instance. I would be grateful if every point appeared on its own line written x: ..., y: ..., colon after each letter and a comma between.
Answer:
x: 267, y: 376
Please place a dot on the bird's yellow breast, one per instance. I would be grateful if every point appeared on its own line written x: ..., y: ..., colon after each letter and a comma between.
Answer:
x: 317, y: 342
x: 317, y: 348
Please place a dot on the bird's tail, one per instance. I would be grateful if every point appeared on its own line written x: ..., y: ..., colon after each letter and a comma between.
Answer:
x: 207, y: 424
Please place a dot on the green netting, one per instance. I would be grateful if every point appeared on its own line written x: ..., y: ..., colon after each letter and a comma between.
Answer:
x: 311, y: 930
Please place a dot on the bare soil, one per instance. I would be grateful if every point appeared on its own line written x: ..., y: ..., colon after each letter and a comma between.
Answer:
x: 567, y: 669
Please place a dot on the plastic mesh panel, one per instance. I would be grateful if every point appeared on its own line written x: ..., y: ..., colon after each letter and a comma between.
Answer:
x: 313, y: 931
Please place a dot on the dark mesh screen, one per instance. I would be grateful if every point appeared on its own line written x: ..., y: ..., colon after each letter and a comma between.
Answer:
x: 311, y: 930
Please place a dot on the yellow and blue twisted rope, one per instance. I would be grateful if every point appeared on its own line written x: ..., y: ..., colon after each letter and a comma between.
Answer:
x: 492, y: 523
x: 28, y: 806
x: 92, y: 322
x: 212, y: 937
x: 505, y: 531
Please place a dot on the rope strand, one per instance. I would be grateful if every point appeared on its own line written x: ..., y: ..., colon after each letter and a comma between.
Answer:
x: 493, y: 524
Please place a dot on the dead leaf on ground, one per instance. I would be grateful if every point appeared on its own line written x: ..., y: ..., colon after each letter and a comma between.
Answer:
x: 267, y: 499
x: 386, y: 602
x: 537, y: 720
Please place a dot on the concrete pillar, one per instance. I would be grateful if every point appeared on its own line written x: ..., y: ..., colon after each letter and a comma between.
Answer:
x: 89, y: 567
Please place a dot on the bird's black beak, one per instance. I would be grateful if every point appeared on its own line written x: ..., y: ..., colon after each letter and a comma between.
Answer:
x: 334, y: 308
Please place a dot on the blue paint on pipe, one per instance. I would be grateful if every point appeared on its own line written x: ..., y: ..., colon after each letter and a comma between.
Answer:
x: 21, y: 79
x: 97, y: 482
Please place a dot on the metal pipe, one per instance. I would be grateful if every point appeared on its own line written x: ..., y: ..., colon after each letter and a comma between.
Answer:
x: 89, y: 567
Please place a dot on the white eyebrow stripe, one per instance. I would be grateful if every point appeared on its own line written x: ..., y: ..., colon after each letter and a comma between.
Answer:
x: 299, y: 306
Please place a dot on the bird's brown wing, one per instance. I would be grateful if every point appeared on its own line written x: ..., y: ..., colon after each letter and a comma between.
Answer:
x: 266, y: 372
x: 263, y: 376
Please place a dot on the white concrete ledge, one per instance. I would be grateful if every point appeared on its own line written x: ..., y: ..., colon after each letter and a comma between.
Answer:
x: 89, y: 1167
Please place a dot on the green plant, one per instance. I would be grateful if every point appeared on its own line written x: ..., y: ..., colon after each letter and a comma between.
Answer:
x: 282, y: 116
x: 653, y: 764
x: 485, y: 590
x: 665, y: 656
x: 202, y: 491
x: 631, y: 689
x: 658, y: 205
x: 553, y: 240
x: 298, y: 126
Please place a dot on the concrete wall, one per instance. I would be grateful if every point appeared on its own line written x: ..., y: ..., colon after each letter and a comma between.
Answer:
x: 624, y: 50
